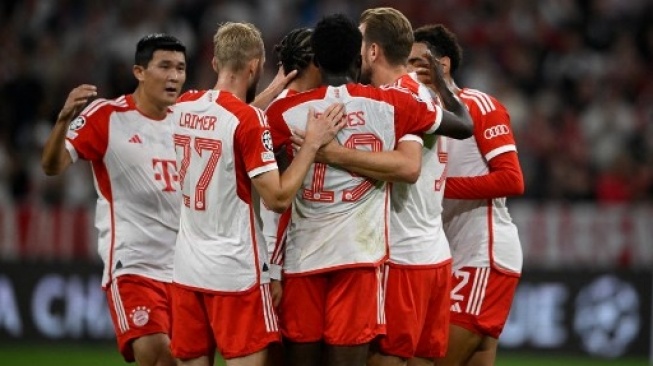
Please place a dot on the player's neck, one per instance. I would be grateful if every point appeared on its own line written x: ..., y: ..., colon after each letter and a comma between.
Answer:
x: 336, y: 80
x: 388, y: 75
x: 301, y: 84
x: 233, y: 83
x: 147, y: 107
x: 452, y: 85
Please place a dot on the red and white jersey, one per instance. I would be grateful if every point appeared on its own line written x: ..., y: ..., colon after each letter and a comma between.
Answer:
x: 269, y: 218
x: 133, y: 161
x: 416, y: 233
x: 221, y: 144
x: 340, y: 219
x: 481, y: 232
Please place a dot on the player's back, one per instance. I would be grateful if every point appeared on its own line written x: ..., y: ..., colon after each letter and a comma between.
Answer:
x: 219, y: 247
x: 416, y: 235
x: 339, y: 218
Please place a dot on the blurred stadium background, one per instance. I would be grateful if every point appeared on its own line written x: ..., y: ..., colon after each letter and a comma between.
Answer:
x: 576, y: 76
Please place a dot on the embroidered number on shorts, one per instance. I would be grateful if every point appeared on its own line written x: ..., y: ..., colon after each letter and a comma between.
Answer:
x: 464, y: 276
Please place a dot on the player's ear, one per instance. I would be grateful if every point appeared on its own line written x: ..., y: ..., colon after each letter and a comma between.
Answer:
x: 445, y: 61
x: 214, y: 64
x: 139, y: 72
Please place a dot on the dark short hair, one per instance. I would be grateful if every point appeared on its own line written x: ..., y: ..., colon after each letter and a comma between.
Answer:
x: 337, y: 43
x: 442, y: 42
x: 295, y: 51
x: 154, y: 42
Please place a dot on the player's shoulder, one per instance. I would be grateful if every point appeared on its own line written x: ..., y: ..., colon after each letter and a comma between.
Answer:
x: 480, y: 101
x: 293, y: 99
x: 191, y: 95
x: 242, y: 111
x: 103, y: 107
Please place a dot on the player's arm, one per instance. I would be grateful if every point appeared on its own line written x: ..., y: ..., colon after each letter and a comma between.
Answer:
x: 504, y: 179
x: 456, y: 121
x: 55, y: 158
x: 403, y: 164
x: 278, y: 191
x: 264, y: 98
x: 505, y: 176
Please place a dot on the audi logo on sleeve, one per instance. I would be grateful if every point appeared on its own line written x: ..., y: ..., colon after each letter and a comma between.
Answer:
x: 496, y: 131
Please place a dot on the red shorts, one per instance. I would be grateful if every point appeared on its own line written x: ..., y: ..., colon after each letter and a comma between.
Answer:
x: 139, y: 306
x: 236, y: 324
x: 481, y: 299
x: 417, y: 311
x: 341, y: 307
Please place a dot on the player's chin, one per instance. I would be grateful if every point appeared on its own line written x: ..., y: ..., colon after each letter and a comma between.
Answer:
x: 170, y: 95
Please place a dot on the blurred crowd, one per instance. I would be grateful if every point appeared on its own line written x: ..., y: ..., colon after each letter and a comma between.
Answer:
x: 576, y: 76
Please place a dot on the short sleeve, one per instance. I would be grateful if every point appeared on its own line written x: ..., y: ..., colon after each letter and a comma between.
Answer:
x: 492, y: 128
x: 87, y: 137
x: 254, y: 141
x: 415, y: 116
x: 278, y: 127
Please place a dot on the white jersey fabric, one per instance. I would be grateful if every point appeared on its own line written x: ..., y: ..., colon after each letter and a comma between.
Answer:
x: 221, y: 144
x: 417, y: 236
x: 270, y: 219
x: 340, y: 219
x: 481, y: 232
x: 133, y: 161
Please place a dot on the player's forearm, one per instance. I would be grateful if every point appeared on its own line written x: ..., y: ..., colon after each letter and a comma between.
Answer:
x: 390, y: 166
x: 293, y: 177
x: 55, y: 158
x: 505, y: 179
x: 457, y: 123
x: 264, y: 98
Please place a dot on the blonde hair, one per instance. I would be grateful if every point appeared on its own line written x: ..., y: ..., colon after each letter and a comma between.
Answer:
x: 391, y: 30
x: 234, y: 44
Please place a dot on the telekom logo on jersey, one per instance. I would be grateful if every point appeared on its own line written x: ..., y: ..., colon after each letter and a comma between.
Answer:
x: 166, y: 170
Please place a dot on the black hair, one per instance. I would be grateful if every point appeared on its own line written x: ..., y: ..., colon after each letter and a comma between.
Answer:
x: 442, y: 42
x: 295, y: 51
x: 154, y: 42
x: 337, y: 43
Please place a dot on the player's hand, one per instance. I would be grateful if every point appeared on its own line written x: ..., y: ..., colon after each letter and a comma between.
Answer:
x: 276, y: 291
x: 436, y: 74
x: 76, y: 100
x: 278, y: 84
x: 275, y: 88
x: 321, y: 129
x: 324, y: 154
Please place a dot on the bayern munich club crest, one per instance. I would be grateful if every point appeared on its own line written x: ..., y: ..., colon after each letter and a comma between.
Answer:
x: 140, y: 316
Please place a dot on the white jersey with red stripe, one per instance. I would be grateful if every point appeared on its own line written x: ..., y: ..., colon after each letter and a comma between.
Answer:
x: 270, y: 219
x: 339, y: 219
x: 416, y: 233
x: 481, y: 232
x: 221, y: 144
x: 133, y: 161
